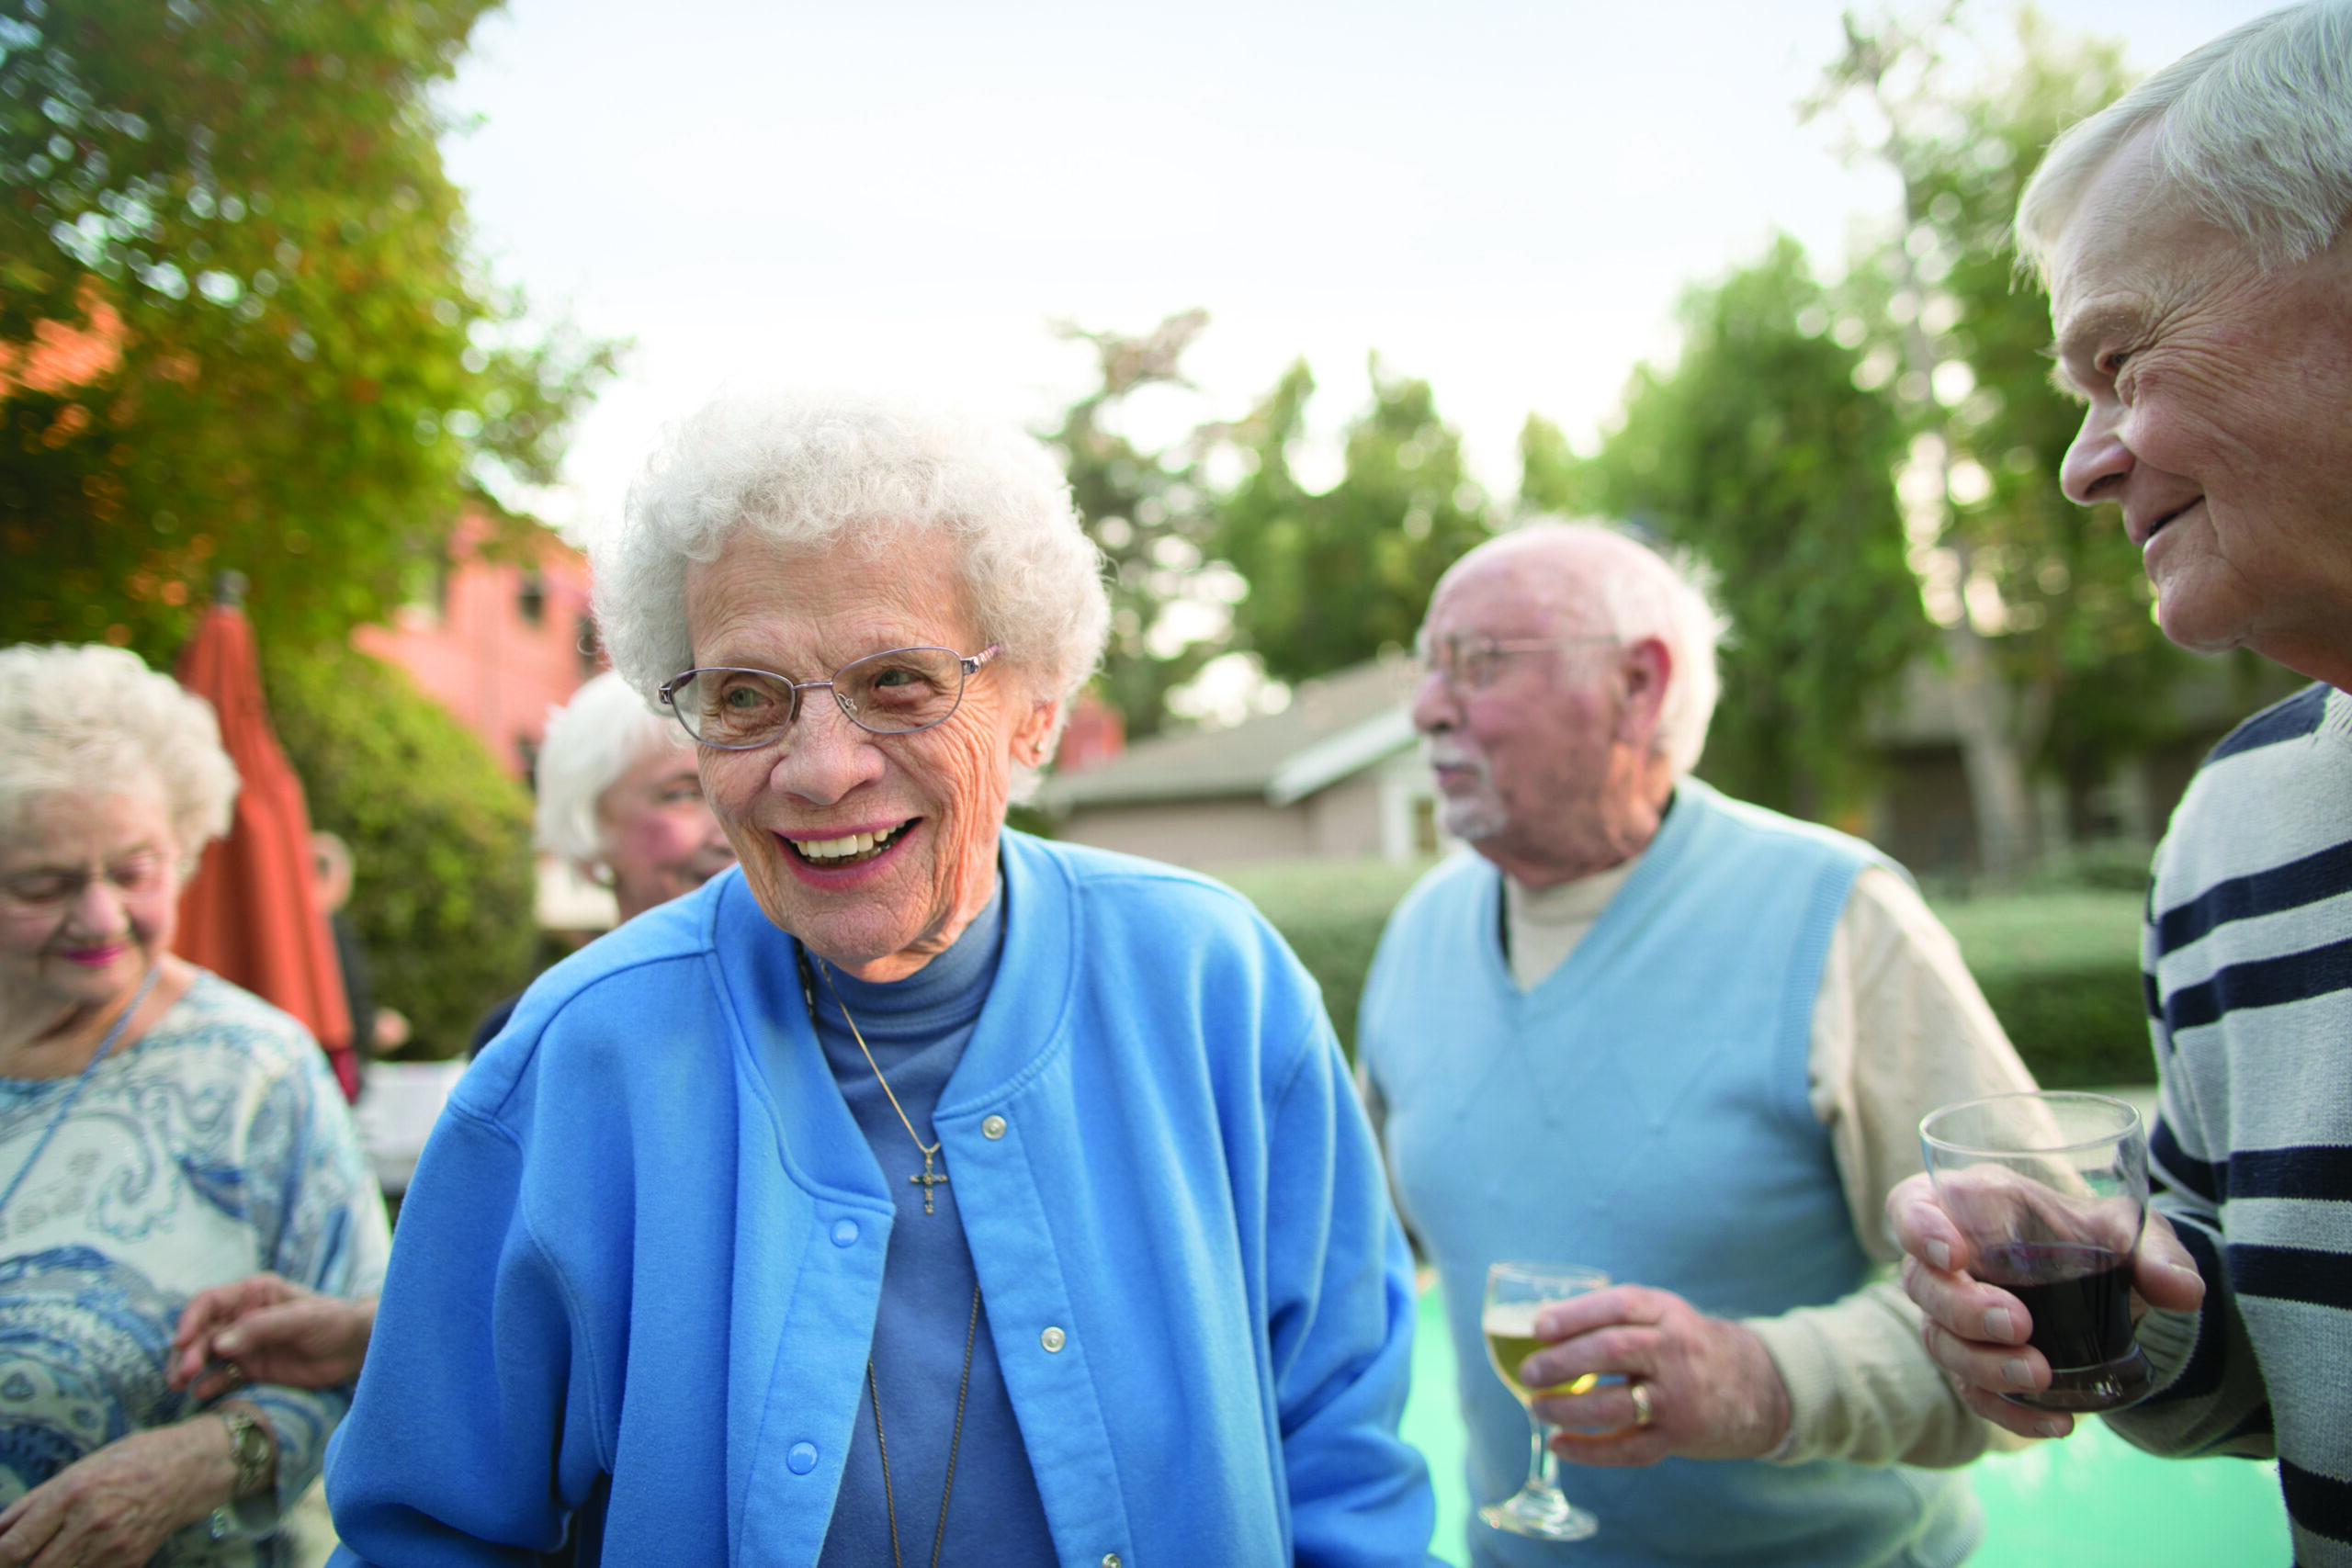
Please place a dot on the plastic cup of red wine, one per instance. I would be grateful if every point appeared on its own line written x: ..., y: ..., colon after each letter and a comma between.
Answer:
x: 2051, y: 1190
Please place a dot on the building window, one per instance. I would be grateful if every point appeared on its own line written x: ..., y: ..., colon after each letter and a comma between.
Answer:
x: 531, y: 599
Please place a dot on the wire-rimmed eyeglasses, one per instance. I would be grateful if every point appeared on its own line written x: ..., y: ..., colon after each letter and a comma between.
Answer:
x: 1471, y: 663
x: 895, y: 692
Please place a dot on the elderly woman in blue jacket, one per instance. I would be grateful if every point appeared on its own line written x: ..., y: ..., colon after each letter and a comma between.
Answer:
x: 920, y: 1191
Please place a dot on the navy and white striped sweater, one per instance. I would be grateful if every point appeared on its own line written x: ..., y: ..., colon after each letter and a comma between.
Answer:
x: 2248, y: 962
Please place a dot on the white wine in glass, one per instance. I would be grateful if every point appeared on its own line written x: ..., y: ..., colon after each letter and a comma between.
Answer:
x: 1515, y: 1294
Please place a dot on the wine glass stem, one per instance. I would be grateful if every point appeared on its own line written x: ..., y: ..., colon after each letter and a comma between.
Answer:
x: 1543, y: 1464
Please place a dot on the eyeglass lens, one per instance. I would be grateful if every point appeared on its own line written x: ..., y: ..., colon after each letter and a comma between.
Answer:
x: 890, y: 694
x: 1461, y: 660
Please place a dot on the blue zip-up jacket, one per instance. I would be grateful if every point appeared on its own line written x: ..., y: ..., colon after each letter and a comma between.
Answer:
x: 638, y: 1270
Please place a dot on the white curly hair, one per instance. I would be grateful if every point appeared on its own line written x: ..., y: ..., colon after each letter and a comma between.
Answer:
x: 590, y: 742
x: 92, y: 720
x: 2253, y: 132
x: 809, y: 470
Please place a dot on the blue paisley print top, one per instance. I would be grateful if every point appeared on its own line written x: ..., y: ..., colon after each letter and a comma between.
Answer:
x: 215, y: 1147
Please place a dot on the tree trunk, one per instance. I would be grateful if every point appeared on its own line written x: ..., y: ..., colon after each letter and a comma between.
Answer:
x: 1991, y: 756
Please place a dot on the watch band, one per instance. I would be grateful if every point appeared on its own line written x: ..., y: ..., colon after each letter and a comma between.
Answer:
x: 250, y: 1446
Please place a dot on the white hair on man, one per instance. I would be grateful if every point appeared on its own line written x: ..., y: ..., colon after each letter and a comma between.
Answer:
x: 590, y: 741
x: 2253, y: 132
x: 88, y: 719
x: 807, y: 471
x: 1642, y: 593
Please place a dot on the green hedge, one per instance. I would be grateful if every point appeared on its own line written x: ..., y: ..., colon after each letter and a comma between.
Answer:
x: 2060, y: 970
x: 445, y: 884
x: 1330, y: 912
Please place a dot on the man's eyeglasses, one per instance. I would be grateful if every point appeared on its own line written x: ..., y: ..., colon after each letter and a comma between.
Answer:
x: 893, y: 693
x: 1471, y: 663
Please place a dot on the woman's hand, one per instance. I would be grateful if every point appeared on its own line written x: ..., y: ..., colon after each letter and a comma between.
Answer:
x: 115, y: 1507
x: 1710, y: 1390
x: 265, y: 1329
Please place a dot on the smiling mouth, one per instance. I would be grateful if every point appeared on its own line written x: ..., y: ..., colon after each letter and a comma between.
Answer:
x: 850, y: 850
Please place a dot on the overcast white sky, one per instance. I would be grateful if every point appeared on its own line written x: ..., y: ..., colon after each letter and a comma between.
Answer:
x: 1504, y: 198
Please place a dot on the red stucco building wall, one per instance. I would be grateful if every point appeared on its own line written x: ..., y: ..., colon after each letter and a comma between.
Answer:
x: 504, y: 642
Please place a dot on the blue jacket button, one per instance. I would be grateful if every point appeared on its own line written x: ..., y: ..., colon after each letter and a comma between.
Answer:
x: 801, y: 1458
x: 845, y: 1232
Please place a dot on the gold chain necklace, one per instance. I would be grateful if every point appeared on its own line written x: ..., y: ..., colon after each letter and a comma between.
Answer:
x: 971, y: 1329
x: 890, y: 1499
x: 928, y: 1179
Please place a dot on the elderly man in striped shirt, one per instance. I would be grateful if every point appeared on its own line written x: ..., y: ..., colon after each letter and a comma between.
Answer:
x: 2196, y: 240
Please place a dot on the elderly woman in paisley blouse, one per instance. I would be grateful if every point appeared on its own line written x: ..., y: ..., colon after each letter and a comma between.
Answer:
x: 161, y: 1132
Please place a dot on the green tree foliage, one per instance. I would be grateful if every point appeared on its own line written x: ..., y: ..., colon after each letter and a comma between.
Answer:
x: 1757, y: 450
x: 2044, y: 606
x: 1554, y: 480
x: 1146, y: 512
x: 1336, y: 578
x: 285, y: 361
x: 441, y: 837
x: 2074, y: 635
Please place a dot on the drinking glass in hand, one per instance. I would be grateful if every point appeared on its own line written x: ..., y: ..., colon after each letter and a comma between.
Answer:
x: 1515, y: 1294
x: 2049, y: 1190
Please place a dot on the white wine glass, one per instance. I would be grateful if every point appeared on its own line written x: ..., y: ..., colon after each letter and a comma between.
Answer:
x: 1515, y: 1294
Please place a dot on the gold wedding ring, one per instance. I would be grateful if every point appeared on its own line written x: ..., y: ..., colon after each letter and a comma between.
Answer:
x: 1640, y: 1395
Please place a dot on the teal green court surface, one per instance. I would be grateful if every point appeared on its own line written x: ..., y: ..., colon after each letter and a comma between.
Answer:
x: 2092, y: 1501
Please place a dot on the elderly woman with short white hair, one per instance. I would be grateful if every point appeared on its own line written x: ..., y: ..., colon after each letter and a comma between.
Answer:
x: 621, y: 802
x: 161, y: 1132
x: 620, y: 798
x: 923, y: 1193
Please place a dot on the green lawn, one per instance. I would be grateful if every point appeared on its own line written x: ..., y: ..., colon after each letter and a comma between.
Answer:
x: 2029, y: 931
x: 2090, y: 1502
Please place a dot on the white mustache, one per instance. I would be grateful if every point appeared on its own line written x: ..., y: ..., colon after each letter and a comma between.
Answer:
x: 1454, y: 754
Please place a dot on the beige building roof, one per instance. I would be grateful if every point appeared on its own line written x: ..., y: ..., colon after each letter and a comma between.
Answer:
x: 1333, y: 727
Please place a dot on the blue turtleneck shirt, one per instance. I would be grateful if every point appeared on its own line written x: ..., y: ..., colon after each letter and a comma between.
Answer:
x: 916, y: 1029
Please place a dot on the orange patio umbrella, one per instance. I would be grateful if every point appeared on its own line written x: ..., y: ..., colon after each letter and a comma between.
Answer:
x: 251, y: 914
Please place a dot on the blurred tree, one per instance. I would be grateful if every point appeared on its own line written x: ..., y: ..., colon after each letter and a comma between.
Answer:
x: 1553, y: 481
x: 239, y: 323
x: 1146, y: 514
x: 2044, y: 606
x: 1336, y: 578
x: 440, y: 837
x: 1757, y: 450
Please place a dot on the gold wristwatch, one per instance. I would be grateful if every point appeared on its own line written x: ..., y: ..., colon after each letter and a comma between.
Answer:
x: 250, y: 1446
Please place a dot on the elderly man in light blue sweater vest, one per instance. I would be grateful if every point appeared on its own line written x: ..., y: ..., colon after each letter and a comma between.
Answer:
x: 1656, y: 1032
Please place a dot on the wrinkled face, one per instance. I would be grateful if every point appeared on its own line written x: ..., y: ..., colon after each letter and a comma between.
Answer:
x: 90, y: 897
x: 920, y: 812
x: 2218, y: 417
x: 661, y: 839
x: 1527, y: 755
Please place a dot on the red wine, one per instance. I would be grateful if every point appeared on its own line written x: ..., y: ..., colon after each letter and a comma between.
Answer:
x: 2079, y: 1298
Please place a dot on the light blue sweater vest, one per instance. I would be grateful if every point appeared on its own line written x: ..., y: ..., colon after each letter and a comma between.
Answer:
x: 1644, y: 1111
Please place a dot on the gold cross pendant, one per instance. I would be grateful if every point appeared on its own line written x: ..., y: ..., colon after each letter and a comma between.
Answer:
x: 928, y: 1179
